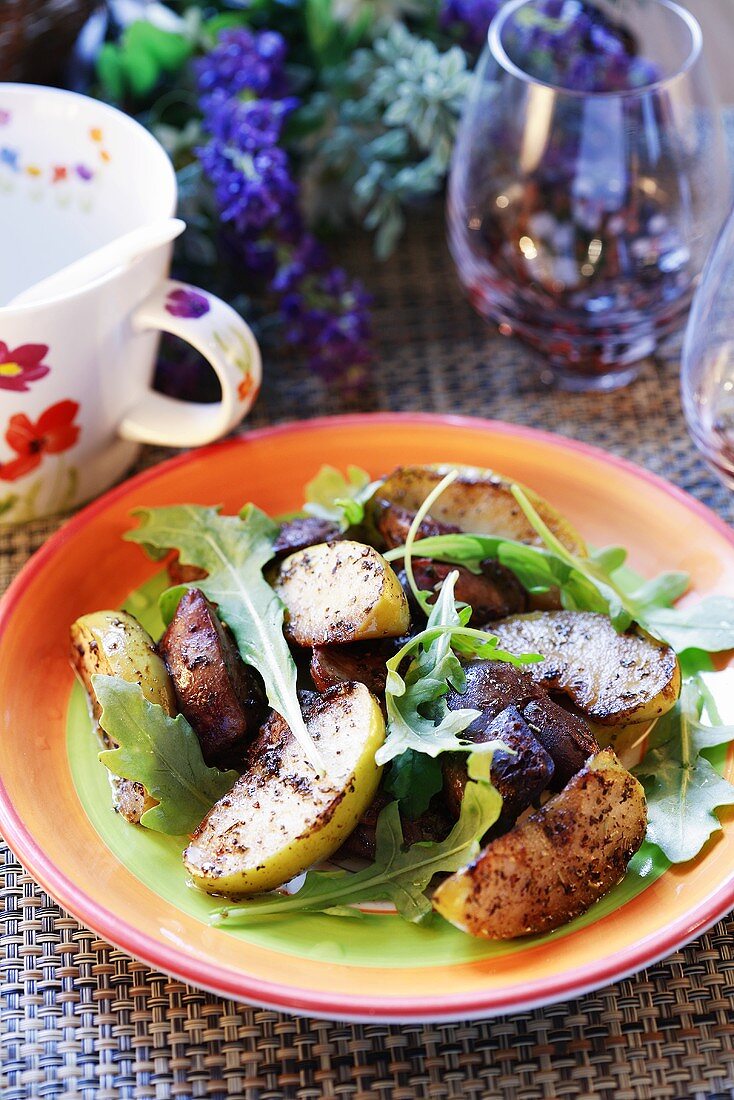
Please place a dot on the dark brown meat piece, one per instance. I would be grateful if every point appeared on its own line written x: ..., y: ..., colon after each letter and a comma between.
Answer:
x: 217, y: 692
x: 394, y: 523
x: 564, y: 735
x: 184, y: 574
x: 305, y: 531
x: 492, y: 686
x: 489, y: 593
x: 434, y: 824
x: 520, y: 776
x: 361, y: 661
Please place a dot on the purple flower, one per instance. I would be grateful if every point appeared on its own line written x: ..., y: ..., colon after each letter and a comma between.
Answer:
x: 326, y: 314
x: 184, y: 302
x: 245, y: 61
x: 252, y: 187
x: 469, y: 19
x: 244, y: 103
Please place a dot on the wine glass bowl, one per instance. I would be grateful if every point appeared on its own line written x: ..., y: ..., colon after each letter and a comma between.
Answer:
x: 707, y: 372
x: 588, y: 181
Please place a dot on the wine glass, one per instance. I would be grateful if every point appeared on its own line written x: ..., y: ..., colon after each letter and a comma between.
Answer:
x: 588, y: 181
x: 707, y: 373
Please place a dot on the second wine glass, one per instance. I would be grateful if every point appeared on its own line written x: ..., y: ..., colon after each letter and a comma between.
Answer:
x: 586, y: 189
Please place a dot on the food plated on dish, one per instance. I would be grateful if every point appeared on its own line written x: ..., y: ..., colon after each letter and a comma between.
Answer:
x: 128, y: 883
x: 423, y: 690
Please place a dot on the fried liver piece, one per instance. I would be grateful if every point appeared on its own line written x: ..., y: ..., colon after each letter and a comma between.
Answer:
x: 184, y: 574
x: 434, y: 824
x: 492, y: 686
x: 302, y: 532
x: 394, y: 524
x: 216, y: 691
x: 564, y: 735
x: 360, y: 661
x: 520, y: 776
x: 488, y: 593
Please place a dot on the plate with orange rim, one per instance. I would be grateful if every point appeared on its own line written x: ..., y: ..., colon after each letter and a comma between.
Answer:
x: 128, y: 885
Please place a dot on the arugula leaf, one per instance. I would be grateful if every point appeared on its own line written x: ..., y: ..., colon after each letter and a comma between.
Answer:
x: 417, y: 715
x: 708, y: 626
x: 397, y: 875
x: 162, y: 753
x: 413, y: 779
x: 423, y: 598
x: 682, y: 787
x: 599, y: 583
x: 233, y: 551
x: 340, y: 499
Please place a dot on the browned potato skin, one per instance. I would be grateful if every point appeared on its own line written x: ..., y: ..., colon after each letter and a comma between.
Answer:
x: 479, y: 501
x: 556, y: 863
x: 612, y: 679
x: 184, y: 574
x: 217, y: 693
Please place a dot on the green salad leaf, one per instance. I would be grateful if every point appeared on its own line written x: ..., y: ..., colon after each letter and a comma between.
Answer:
x: 600, y: 582
x: 418, y: 717
x: 708, y: 626
x: 398, y: 874
x: 682, y: 787
x: 413, y: 778
x: 233, y: 551
x: 162, y: 753
x: 332, y: 496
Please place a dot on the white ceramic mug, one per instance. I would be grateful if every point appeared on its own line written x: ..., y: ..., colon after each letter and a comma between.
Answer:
x: 76, y: 370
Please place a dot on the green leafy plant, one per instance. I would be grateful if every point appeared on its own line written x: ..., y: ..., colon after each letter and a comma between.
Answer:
x: 682, y: 787
x: 233, y: 550
x: 162, y: 753
x: 390, y: 120
x: 397, y: 874
x: 138, y: 63
x: 418, y: 717
x: 332, y: 496
x: 597, y: 583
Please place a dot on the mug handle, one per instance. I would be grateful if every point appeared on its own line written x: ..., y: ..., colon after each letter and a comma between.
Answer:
x: 223, y: 338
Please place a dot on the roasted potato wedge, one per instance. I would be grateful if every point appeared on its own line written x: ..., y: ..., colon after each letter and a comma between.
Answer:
x: 280, y: 817
x: 115, y: 644
x: 479, y: 501
x: 556, y: 863
x: 341, y: 592
x: 216, y: 691
x: 613, y: 679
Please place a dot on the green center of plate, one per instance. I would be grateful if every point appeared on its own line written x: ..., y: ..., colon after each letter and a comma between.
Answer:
x: 374, y: 939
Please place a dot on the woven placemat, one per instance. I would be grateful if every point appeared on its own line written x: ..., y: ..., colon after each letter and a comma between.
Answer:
x: 79, y: 1018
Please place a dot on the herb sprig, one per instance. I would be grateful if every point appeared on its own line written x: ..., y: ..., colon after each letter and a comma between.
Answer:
x: 418, y: 717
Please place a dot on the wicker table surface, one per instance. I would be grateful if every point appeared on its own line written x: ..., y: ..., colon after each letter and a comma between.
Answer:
x: 79, y: 1018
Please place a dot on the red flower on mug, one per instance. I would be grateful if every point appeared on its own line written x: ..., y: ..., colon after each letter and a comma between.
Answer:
x: 53, y: 432
x: 246, y: 387
x: 22, y: 365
